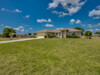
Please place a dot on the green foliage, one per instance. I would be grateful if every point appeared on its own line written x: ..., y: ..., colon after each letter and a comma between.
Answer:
x: 34, y: 36
x: 29, y: 34
x: 97, y: 32
x: 51, y: 36
x: 88, y: 33
x: 7, y: 32
x: 45, y: 36
x: 79, y: 28
x: 72, y: 36
x: 26, y: 34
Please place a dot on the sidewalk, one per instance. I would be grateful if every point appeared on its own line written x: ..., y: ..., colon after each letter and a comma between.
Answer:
x: 17, y: 40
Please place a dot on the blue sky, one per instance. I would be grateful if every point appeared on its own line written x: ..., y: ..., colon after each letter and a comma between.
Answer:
x: 33, y: 15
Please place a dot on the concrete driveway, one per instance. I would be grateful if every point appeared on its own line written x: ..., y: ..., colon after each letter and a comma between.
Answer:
x: 17, y: 40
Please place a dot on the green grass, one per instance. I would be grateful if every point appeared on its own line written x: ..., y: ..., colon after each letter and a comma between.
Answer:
x: 51, y: 57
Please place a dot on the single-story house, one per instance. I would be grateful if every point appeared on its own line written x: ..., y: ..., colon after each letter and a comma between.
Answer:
x: 95, y: 35
x: 21, y: 35
x: 62, y: 33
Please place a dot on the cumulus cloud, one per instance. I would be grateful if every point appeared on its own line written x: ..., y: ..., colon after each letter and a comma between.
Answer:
x: 49, y: 25
x: 3, y: 9
x: 14, y: 11
x: 7, y: 27
x: 31, y: 28
x: 96, y: 25
x: 95, y: 13
x: 20, y: 28
x: 61, y: 14
x: 78, y: 22
x: 17, y: 29
x: 70, y: 6
x: 72, y: 21
x: 75, y: 21
x: 17, y: 11
x: 91, y: 30
x: 97, y: 29
x: 27, y: 16
x: 90, y: 25
x: 43, y: 20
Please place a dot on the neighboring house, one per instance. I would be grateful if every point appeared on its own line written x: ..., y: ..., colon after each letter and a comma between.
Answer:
x: 58, y: 32
x: 95, y: 35
x: 20, y: 35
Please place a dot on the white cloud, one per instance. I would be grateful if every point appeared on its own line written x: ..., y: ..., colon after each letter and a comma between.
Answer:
x: 30, y: 28
x: 27, y: 16
x: 78, y: 22
x: 98, y: 7
x: 7, y: 27
x: 17, y: 29
x: 49, y: 25
x: 22, y: 30
x: 49, y: 20
x: 97, y: 29
x: 91, y: 30
x: 20, y: 27
x: 72, y: 21
x: 70, y: 6
x: 17, y: 11
x: 61, y: 14
x: 96, y: 25
x: 43, y: 20
x: 3, y: 9
x: 8, y: 10
x: 95, y: 13
x: 75, y: 21
x: 90, y: 25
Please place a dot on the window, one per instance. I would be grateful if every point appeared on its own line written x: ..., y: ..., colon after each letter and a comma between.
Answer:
x: 73, y: 33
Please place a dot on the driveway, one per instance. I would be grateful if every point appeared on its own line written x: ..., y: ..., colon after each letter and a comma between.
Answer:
x: 17, y: 40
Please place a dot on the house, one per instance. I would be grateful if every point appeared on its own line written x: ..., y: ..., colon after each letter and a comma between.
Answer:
x: 95, y: 35
x: 58, y: 32
x: 21, y: 35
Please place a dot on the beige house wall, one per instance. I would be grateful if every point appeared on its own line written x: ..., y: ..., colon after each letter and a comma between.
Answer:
x: 40, y: 35
x: 62, y: 34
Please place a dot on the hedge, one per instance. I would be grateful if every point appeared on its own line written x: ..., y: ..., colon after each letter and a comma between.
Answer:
x: 72, y: 36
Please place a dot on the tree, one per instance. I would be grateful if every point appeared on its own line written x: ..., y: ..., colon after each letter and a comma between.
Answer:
x: 97, y: 32
x: 88, y: 34
x: 7, y: 32
x: 79, y: 28
x: 25, y: 34
x: 34, y: 34
x: 29, y: 34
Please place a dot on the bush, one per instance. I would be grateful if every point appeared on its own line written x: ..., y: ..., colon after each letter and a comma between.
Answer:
x: 51, y: 36
x: 45, y: 36
x: 72, y: 36
x: 34, y: 36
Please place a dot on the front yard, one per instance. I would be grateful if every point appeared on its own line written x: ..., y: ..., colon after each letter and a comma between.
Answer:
x: 51, y: 57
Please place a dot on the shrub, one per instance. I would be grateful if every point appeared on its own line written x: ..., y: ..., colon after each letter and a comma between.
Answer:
x: 34, y: 36
x: 51, y: 36
x: 72, y: 36
x: 45, y: 36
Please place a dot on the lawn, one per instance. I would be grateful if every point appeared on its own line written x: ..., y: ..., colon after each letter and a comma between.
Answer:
x: 51, y: 57
x: 8, y: 39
